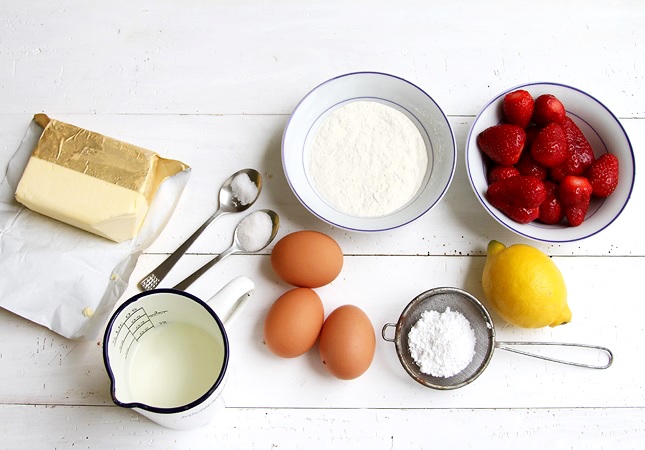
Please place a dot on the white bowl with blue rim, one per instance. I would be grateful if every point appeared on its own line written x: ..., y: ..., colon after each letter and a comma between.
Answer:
x: 605, y: 134
x: 389, y: 90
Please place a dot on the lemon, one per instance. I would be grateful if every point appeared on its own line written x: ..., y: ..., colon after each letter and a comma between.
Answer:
x: 524, y: 286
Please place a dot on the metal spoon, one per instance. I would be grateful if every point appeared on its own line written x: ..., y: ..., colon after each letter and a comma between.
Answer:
x: 228, y: 203
x: 235, y: 247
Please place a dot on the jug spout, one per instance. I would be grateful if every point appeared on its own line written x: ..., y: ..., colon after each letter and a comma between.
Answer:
x: 123, y: 399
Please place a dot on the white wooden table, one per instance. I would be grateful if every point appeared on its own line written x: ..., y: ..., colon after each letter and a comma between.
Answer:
x: 212, y: 84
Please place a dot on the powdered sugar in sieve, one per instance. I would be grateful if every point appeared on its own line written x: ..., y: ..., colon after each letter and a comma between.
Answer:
x: 456, y: 300
x: 442, y: 343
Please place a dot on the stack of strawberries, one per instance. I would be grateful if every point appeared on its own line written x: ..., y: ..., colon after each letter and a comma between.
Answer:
x: 541, y: 166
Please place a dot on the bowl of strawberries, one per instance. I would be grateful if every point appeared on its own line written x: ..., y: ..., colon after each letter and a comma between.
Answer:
x: 550, y: 162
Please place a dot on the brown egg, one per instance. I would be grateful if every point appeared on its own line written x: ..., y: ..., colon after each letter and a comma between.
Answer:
x: 294, y: 322
x: 307, y: 259
x: 347, y: 342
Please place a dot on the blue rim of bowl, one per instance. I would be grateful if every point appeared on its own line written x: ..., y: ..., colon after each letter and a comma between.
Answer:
x: 494, y: 213
x: 452, y: 137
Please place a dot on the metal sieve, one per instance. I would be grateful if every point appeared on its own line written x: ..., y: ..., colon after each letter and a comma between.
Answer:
x: 439, y: 299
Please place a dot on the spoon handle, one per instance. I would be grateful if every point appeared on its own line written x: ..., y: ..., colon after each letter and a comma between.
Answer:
x: 182, y: 285
x: 153, y: 279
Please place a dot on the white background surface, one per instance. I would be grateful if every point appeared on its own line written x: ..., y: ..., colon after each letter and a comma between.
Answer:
x: 212, y: 84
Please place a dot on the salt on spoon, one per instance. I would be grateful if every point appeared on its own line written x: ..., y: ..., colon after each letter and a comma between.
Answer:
x: 254, y: 231
x: 235, y: 195
x: 244, y: 190
x: 252, y: 234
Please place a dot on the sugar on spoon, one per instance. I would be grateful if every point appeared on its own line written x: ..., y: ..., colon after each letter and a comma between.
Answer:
x: 231, y: 200
x: 249, y: 236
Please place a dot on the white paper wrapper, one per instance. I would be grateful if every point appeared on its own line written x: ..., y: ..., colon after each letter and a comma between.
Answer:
x: 58, y: 276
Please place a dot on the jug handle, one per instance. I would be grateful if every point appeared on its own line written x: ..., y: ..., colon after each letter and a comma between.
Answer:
x: 229, y: 302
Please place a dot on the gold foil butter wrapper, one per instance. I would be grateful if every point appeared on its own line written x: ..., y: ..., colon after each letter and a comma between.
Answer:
x: 91, y: 181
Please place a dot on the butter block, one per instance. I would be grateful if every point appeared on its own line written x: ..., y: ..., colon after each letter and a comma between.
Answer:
x: 90, y: 181
x: 85, y: 202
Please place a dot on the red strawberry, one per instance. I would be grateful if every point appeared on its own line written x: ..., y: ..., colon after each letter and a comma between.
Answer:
x: 517, y: 107
x: 523, y: 215
x: 549, y: 147
x: 548, y: 109
x: 603, y: 175
x: 580, y: 152
x: 527, y: 166
x: 551, y: 211
x: 518, y: 197
x: 501, y: 173
x: 531, y: 131
x: 575, y: 195
x: 502, y: 143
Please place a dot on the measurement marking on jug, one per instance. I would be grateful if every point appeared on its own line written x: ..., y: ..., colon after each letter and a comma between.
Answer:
x: 156, y: 313
x: 137, y: 322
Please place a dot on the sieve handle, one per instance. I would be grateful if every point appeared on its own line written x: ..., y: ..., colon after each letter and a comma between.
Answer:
x: 385, y: 327
x: 508, y: 346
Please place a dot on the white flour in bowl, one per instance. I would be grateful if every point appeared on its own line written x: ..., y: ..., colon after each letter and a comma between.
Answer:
x: 367, y: 159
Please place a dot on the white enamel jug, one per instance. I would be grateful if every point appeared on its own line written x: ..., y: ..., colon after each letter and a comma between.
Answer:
x: 166, y: 353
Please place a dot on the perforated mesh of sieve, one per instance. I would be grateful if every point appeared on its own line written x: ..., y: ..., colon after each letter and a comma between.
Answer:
x: 439, y: 299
